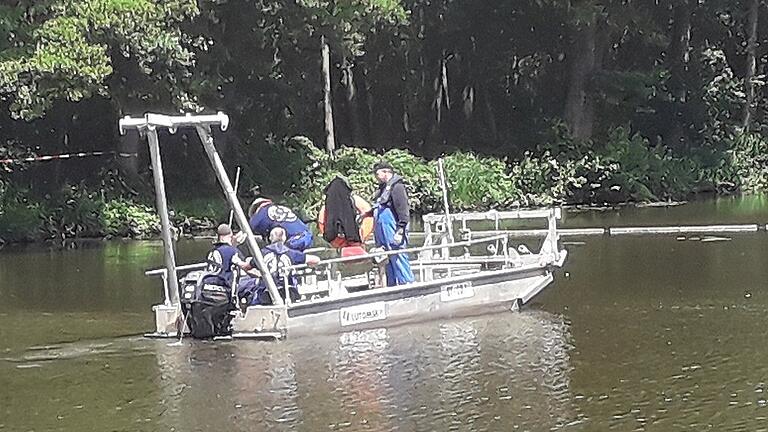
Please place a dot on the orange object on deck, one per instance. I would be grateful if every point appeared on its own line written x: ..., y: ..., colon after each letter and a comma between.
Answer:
x: 366, y: 224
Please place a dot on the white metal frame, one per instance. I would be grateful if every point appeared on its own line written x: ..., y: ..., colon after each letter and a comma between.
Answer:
x: 202, y: 123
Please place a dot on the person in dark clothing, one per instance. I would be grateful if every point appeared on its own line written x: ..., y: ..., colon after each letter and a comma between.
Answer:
x: 340, y: 213
x: 210, y: 306
x: 391, y: 213
x: 222, y: 258
x: 278, y: 257
x: 266, y: 215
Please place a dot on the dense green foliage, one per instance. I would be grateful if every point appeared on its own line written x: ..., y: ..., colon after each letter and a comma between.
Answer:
x: 532, y: 102
x: 76, y: 211
x: 627, y: 170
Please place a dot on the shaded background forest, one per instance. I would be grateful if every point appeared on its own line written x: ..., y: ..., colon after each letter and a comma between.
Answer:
x: 537, y: 101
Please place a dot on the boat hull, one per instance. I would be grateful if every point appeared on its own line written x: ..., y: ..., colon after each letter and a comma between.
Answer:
x: 464, y: 295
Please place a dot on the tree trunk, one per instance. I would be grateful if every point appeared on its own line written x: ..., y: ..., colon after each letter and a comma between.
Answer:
x: 373, y: 133
x: 749, y: 84
x: 352, y: 106
x: 129, y: 165
x: 680, y: 49
x: 579, y: 103
x: 330, y: 141
x: 441, y: 92
x: 490, y: 115
x: 679, y: 57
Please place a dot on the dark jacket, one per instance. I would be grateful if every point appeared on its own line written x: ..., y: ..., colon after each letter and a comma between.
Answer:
x: 340, y: 212
x: 392, y: 194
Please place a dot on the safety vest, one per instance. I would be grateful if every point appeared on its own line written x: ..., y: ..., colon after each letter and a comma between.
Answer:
x: 219, y: 265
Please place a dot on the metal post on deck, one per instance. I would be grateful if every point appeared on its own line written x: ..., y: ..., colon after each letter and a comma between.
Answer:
x: 204, y: 132
x: 446, y: 208
x: 172, y: 290
x: 552, y: 228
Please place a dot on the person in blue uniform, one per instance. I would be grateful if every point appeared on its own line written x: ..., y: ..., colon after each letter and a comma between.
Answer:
x: 277, y: 258
x: 266, y: 215
x: 208, y: 310
x: 391, y: 213
x: 222, y: 259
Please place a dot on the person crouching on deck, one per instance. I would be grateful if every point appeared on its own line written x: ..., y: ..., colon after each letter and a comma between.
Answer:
x: 265, y: 215
x: 209, y: 314
x: 391, y: 213
x: 277, y: 258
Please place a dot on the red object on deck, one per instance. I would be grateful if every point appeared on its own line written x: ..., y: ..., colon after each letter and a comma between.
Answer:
x: 350, y: 251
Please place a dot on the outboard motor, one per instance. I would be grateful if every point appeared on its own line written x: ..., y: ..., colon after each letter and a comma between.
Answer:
x: 205, y: 306
x: 187, y: 287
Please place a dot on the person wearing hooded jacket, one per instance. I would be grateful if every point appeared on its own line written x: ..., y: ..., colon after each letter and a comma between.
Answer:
x: 277, y: 258
x: 391, y: 213
x: 266, y: 215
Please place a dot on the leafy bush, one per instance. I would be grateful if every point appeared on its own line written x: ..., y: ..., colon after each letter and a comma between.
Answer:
x: 355, y: 164
x: 749, y: 159
x: 19, y: 218
x: 625, y: 168
x: 478, y: 182
x: 644, y: 172
x: 547, y: 180
x: 128, y: 219
x: 475, y: 182
x: 73, y: 212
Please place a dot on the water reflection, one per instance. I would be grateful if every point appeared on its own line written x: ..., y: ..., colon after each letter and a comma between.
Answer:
x: 358, y: 374
x: 480, y: 374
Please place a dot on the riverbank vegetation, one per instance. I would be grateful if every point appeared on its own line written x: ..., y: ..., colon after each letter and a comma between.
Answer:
x: 530, y: 103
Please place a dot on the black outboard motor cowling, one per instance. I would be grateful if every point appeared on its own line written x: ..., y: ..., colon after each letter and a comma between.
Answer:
x: 205, y: 306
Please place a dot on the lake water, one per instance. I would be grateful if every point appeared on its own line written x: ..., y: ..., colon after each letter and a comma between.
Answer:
x: 645, y: 333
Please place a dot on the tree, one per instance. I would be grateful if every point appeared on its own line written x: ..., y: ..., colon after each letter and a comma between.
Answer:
x: 749, y: 77
x: 66, y: 50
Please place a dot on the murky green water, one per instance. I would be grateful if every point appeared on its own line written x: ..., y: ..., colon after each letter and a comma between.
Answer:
x: 637, y: 333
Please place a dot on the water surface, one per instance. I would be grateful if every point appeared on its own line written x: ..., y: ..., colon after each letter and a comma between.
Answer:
x: 648, y: 333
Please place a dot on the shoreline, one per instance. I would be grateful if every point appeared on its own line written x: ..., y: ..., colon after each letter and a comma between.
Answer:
x: 205, y: 231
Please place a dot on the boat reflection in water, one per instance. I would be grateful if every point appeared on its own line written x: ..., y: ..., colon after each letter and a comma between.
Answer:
x: 228, y: 386
x: 493, y: 372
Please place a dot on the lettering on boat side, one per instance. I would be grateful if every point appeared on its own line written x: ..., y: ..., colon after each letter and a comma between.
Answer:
x: 362, y: 313
x: 457, y: 291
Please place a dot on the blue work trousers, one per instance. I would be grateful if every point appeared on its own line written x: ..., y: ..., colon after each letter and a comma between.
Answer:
x: 398, y: 268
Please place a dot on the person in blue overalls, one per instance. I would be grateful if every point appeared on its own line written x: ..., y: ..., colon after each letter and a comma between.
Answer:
x: 265, y: 215
x: 391, y: 213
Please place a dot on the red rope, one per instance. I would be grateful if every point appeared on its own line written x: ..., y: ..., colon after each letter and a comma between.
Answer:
x: 66, y: 156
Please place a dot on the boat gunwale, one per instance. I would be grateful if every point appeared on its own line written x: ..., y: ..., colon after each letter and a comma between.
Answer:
x: 408, y: 290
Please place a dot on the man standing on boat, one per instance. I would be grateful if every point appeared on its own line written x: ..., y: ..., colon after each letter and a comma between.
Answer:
x: 391, y: 213
x: 265, y: 216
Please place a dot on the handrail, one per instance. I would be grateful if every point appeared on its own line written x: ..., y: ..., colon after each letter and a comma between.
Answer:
x: 162, y: 271
x: 495, y: 214
x: 432, y: 218
x: 195, y: 266
x: 399, y: 251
